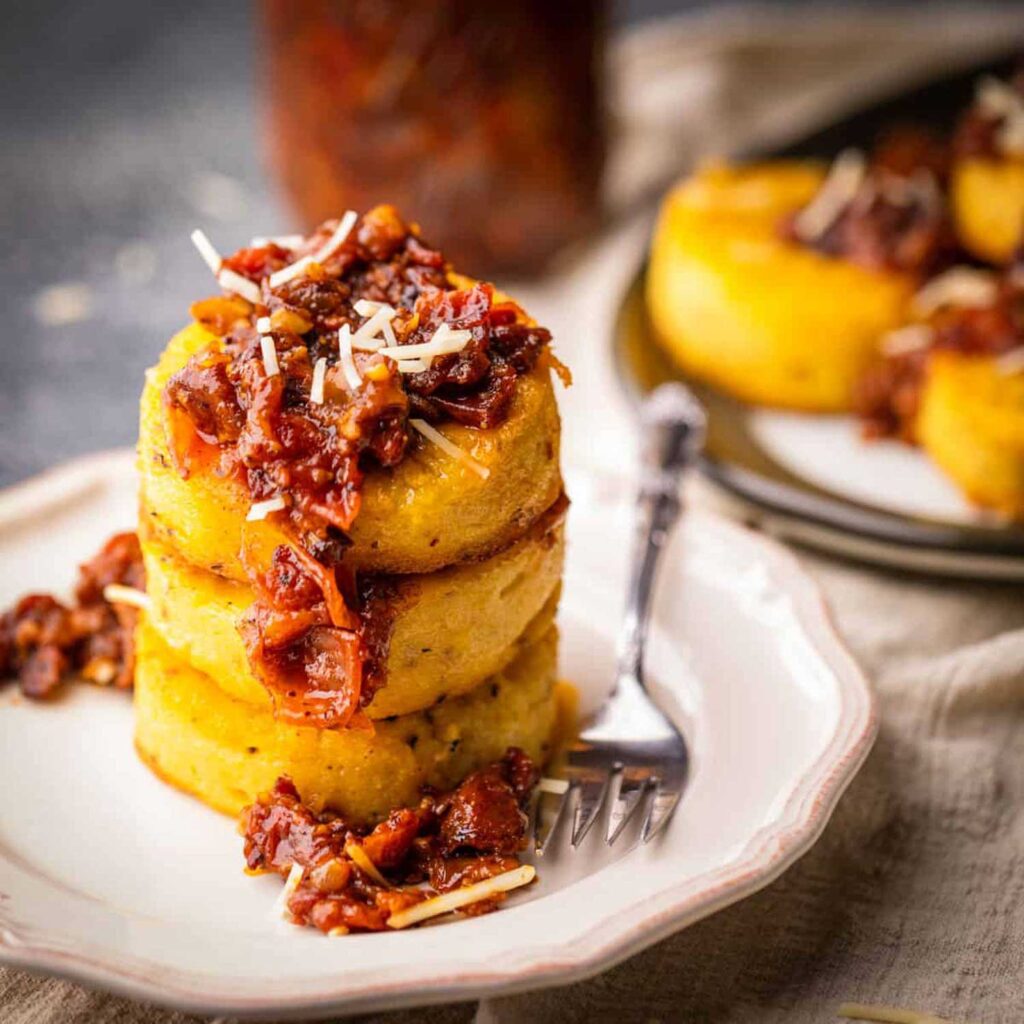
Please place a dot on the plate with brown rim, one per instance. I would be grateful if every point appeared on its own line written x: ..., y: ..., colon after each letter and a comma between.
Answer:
x: 111, y: 877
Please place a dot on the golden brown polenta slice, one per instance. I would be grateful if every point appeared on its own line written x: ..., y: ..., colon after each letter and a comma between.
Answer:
x: 444, y: 631
x: 740, y: 307
x: 971, y: 422
x: 987, y: 197
x: 226, y: 751
x: 428, y: 512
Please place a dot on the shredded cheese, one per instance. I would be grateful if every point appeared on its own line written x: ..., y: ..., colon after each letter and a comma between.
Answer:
x: 348, y: 363
x: 367, y: 307
x: 337, y: 931
x: 412, y: 366
x: 116, y: 593
x: 291, y: 884
x: 1000, y: 99
x: 263, y: 325
x: 261, y: 509
x: 844, y: 180
x: 449, y: 901
x: 232, y: 282
x: 206, y: 249
x: 907, y: 339
x: 269, y: 350
x: 316, y: 389
x: 1012, y: 362
x: 341, y: 232
x: 958, y: 286
x: 361, y: 859
x: 886, y: 1014
x: 444, y: 341
x: 996, y: 97
x: 227, y: 279
x: 557, y: 786
x: 448, y: 447
x: 366, y: 336
x: 293, y: 270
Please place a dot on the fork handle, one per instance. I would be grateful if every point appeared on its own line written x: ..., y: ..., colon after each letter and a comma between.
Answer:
x: 673, y: 428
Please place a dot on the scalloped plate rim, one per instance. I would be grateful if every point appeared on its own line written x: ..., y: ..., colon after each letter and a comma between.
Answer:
x: 767, y: 855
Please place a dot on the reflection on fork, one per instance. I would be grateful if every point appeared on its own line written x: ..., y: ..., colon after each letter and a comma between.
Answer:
x: 629, y: 764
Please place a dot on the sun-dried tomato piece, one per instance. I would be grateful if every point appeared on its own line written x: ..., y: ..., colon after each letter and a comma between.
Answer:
x: 411, y: 846
x: 43, y: 642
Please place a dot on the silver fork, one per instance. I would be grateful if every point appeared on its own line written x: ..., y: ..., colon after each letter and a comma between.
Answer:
x: 630, y: 753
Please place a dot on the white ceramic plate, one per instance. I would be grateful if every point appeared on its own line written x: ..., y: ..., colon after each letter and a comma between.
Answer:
x: 109, y: 876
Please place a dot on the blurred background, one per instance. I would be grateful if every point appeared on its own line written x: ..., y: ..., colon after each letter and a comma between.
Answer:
x: 127, y: 124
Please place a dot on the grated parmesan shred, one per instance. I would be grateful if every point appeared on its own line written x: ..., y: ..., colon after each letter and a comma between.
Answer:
x: 348, y: 363
x: 263, y: 325
x: 300, y: 266
x: 206, y: 248
x: 958, y: 286
x: 316, y: 389
x: 291, y: 884
x: 366, y: 336
x: 232, y: 282
x: 269, y: 350
x: 337, y: 239
x: 431, y: 433
x: 556, y: 786
x: 293, y: 270
x: 904, y: 340
x: 444, y: 341
x: 261, y: 509
x: 361, y: 859
x: 455, y: 900
x: 367, y: 307
x: 117, y: 593
x: 999, y: 99
x: 845, y: 177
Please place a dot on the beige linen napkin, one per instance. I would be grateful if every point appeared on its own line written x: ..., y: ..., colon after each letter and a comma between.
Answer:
x: 915, y: 894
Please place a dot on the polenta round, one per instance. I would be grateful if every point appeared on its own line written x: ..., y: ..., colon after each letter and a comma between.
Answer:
x: 428, y: 512
x: 740, y: 307
x: 225, y: 751
x: 448, y: 629
x: 987, y: 197
x: 971, y: 422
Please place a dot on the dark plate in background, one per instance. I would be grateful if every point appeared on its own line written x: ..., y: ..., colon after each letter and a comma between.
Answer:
x: 761, y: 489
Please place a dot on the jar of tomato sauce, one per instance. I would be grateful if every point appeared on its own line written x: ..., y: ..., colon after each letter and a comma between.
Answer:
x: 480, y: 121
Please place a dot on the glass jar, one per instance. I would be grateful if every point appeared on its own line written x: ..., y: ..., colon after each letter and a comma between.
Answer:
x: 482, y: 122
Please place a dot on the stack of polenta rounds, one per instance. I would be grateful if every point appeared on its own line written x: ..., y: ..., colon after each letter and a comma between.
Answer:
x: 464, y: 562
